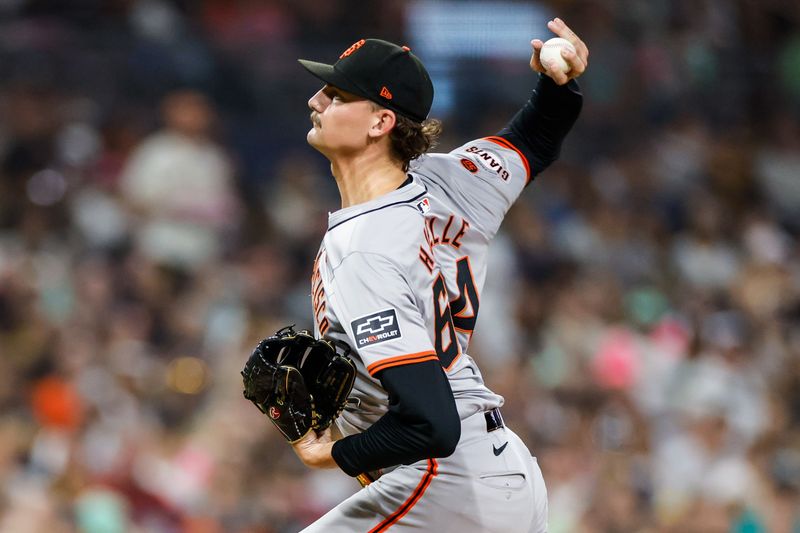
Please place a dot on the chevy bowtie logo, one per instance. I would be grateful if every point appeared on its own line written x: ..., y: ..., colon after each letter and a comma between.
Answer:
x: 375, y: 324
x: 375, y: 328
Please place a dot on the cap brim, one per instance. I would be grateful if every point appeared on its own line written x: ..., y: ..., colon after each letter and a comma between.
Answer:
x: 330, y: 76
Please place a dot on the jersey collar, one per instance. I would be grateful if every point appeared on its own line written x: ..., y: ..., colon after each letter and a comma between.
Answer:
x: 407, y: 193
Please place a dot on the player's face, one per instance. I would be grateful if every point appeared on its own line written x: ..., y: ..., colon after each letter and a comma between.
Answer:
x: 340, y: 121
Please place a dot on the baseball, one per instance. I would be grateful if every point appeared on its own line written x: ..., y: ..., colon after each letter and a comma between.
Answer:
x: 551, y: 51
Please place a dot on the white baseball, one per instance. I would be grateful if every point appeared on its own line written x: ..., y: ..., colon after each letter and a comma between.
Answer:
x: 551, y: 51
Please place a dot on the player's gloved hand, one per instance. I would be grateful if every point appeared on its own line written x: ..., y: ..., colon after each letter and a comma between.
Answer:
x: 577, y: 60
x: 299, y: 382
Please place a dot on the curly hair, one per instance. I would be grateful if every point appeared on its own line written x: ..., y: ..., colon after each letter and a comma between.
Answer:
x: 410, y: 139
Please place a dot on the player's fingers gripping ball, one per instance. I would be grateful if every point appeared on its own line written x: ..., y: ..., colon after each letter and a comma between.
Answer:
x: 299, y: 382
x: 550, y: 54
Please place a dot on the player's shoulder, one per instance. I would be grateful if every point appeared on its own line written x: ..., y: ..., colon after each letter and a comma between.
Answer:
x: 388, y: 227
x: 389, y: 231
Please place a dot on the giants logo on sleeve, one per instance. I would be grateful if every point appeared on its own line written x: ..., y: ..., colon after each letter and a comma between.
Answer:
x: 469, y: 165
x: 375, y: 328
x: 489, y: 159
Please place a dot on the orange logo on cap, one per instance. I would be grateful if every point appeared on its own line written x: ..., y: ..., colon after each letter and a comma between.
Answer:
x: 353, y: 47
x: 385, y: 93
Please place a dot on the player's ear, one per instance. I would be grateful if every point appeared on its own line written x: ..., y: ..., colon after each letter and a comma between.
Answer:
x: 382, y: 123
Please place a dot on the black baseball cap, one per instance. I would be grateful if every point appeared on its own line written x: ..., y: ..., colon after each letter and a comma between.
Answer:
x: 387, y: 74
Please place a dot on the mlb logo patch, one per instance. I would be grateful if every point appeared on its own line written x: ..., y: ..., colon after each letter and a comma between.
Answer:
x: 424, y: 205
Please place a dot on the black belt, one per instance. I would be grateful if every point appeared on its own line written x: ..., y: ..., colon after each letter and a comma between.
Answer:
x: 494, y: 420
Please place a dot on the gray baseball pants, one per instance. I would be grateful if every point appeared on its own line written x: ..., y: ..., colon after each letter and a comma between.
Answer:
x: 490, y: 484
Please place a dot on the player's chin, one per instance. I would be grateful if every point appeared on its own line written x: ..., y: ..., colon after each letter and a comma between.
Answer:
x: 314, y: 138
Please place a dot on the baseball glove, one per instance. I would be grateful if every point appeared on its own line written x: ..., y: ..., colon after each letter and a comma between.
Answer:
x: 299, y: 382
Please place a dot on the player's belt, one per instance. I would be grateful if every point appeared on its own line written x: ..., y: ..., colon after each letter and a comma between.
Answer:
x: 494, y: 420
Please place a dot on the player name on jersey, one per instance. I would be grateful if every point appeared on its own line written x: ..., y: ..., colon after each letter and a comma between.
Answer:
x: 318, y: 296
x: 441, y: 234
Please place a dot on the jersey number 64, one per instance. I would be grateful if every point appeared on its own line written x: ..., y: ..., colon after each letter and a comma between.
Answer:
x: 450, y: 315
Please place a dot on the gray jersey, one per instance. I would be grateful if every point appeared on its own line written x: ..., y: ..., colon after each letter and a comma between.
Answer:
x: 399, y: 278
x: 375, y: 288
x: 471, y: 190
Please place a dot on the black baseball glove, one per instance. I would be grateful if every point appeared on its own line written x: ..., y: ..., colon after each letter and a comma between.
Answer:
x: 300, y: 382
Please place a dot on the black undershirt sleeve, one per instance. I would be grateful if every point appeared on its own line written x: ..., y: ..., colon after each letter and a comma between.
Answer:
x: 422, y: 422
x: 539, y: 128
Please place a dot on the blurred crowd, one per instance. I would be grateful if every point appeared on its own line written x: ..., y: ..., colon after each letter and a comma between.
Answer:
x: 160, y: 211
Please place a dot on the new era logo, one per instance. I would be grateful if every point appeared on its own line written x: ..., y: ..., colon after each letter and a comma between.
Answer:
x: 385, y: 93
x: 375, y: 328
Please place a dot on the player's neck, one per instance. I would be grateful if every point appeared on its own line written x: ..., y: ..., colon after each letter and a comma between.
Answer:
x: 365, y: 177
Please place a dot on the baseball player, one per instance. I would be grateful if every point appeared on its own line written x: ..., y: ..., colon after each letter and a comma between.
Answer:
x: 398, y: 278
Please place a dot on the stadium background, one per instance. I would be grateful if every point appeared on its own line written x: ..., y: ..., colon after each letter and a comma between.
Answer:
x: 159, y: 212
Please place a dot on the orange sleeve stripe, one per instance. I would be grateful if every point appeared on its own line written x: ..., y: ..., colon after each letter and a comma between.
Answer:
x: 430, y: 473
x: 399, y: 363
x: 419, y: 357
x: 453, y: 362
x: 505, y: 144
